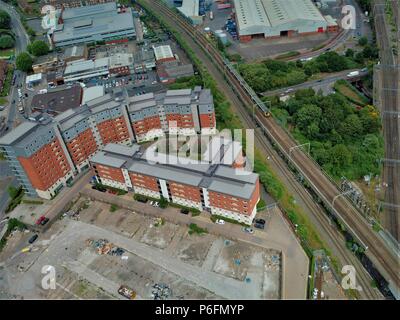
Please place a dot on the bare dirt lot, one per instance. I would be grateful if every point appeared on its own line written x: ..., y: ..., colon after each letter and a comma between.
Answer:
x: 156, y: 260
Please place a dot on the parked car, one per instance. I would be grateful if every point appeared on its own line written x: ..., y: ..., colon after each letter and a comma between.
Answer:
x: 259, y: 226
x: 260, y: 221
x: 220, y: 221
x: 44, y: 221
x: 33, y: 238
x: 184, y: 211
x: 142, y: 200
x: 39, y: 221
x: 248, y: 230
x: 99, y: 188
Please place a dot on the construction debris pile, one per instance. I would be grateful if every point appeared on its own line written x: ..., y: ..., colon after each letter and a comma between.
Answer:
x: 161, y: 291
x: 272, y: 262
x: 103, y: 246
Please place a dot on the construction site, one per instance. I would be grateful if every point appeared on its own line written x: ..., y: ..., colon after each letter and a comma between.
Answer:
x: 95, y: 251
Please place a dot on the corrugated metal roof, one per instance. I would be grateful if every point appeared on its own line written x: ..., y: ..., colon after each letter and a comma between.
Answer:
x: 190, y: 8
x: 261, y: 15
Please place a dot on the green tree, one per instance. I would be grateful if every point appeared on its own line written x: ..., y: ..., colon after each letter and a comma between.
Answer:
x: 5, y: 20
x: 6, y: 42
x: 363, y: 41
x: 351, y: 127
x: 349, y: 53
x: 38, y: 48
x: 370, y: 52
x: 340, y: 157
x: 13, y: 192
x: 359, y: 58
x: 24, y: 62
x: 307, y: 115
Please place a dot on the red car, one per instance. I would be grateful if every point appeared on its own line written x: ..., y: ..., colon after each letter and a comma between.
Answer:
x: 39, y: 221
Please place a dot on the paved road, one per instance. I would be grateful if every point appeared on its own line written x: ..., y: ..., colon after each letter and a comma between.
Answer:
x: 326, y: 81
x: 21, y: 42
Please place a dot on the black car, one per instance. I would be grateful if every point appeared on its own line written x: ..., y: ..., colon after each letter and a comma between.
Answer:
x: 33, y: 238
x: 184, y: 211
x: 101, y: 189
x: 142, y: 200
x: 44, y: 221
x: 259, y: 223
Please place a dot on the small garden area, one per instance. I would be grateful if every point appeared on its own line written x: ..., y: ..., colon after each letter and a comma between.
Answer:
x: 12, y: 225
x: 16, y: 195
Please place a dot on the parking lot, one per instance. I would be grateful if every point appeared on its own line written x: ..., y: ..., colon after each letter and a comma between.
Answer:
x: 259, y: 49
x: 155, y: 254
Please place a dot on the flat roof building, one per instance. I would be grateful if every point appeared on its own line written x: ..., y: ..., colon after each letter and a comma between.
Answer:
x: 190, y: 9
x: 57, y: 100
x: 163, y: 53
x: 87, y: 24
x: 47, y: 152
x: 277, y: 18
x: 217, y: 188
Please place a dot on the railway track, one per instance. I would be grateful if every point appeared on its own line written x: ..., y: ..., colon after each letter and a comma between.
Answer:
x: 327, y: 190
x: 389, y: 74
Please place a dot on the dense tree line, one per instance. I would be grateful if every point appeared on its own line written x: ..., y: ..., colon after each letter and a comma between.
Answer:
x: 273, y: 74
x: 5, y: 20
x: 345, y: 141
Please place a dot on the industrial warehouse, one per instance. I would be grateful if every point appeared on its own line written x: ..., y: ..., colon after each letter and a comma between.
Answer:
x: 280, y: 18
x: 102, y: 22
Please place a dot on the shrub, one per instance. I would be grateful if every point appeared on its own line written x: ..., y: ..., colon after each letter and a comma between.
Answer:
x: 24, y: 62
x: 194, y: 228
x: 114, y: 208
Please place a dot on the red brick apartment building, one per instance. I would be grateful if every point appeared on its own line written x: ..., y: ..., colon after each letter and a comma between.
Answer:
x: 214, y: 186
x: 64, y: 144
x: 217, y: 188
x: 185, y: 112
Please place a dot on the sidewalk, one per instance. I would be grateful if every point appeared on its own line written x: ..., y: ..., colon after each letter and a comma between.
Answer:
x: 278, y: 236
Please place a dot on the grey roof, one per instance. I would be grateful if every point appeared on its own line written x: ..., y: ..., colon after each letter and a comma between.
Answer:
x: 205, y: 97
x: 58, y: 100
x: 218, y: 178
x: 18, y: 133
x: 166, y: 173
x: 180, y: 92
x: 232, y: 174
x: 260, y: 15
x: 75, y: 51
x: 235, y: 189
x: 101, y: 158
x: 178, y: 100
x: 87, y: 21
x: 121, y: 149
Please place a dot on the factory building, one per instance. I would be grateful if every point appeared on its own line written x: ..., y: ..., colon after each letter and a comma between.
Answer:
x: 102, y: 22
x: 190, y: 9
x: 279, y: 18
x: 46, y: 153
x: 214, y: 187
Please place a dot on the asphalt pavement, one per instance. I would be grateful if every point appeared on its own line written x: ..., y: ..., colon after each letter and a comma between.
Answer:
x: 21, y: 42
